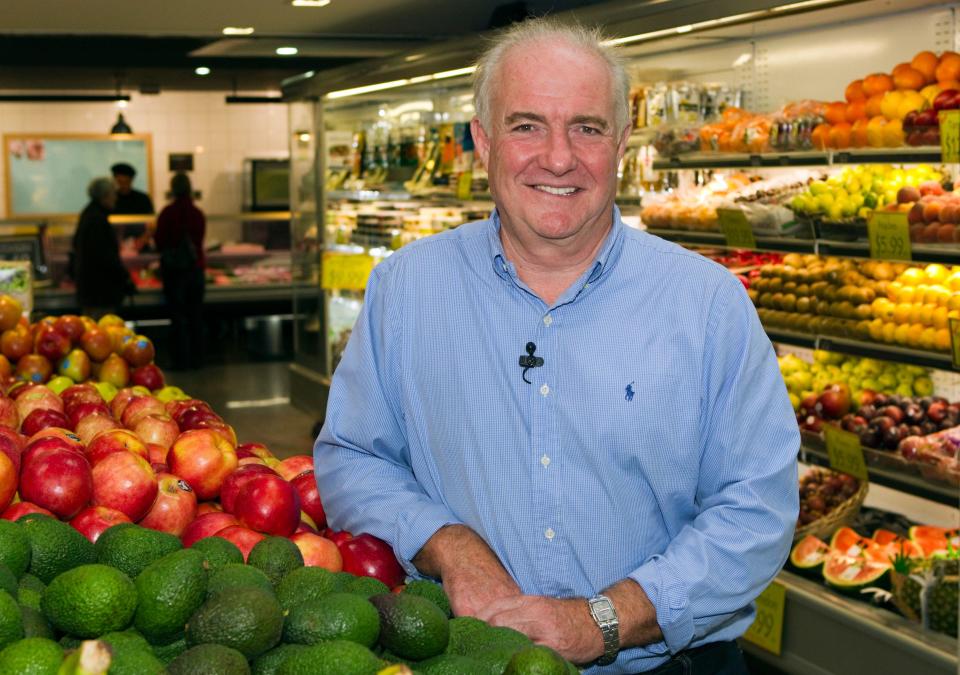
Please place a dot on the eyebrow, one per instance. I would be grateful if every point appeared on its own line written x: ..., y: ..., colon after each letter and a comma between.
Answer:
x: 593, y: 120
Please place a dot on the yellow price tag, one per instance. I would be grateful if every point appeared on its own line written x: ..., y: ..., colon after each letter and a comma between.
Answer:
x: 766, y: 631
x: 736, y: 228
x: 955, y: 342
x: 345, y: 271
x: 464, y: 185
x: 950, y: 136
x: 889, y: 235
x: 845, y: 452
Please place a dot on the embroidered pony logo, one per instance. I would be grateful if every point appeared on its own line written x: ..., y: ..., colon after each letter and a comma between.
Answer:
x: 629, y: 392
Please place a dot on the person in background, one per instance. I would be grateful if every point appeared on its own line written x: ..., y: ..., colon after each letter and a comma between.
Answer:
x: 179, y: 238
x: 131, y: 202
x: 102, y: 280
x: 623, y: 490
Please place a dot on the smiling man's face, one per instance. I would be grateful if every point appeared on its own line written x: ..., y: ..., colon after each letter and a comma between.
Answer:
x: 553, y: 147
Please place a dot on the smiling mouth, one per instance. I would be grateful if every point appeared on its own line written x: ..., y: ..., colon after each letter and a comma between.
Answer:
x: 559, y: 191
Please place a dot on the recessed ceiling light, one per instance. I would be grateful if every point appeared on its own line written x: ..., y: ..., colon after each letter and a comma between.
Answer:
x: 684, y: 29
x: 238, y: 30
x: 202, y: 70
x: 310, y: 3
x: 287, y: 51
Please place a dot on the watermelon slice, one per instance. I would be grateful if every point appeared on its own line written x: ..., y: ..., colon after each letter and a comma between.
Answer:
x: 851, y: 574
x: 884, y: 537
x: 846, y: 541
x: 934, y: 540
x: 887, y: 553
x: 808, y: 555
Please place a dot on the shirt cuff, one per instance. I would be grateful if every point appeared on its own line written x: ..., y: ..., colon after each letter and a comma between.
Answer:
x: 415, y: 529
x: 668, y: 594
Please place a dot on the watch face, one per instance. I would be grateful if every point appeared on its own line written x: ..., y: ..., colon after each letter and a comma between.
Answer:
x: 604, y: 612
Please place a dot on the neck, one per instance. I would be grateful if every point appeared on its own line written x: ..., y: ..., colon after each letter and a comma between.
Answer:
x: 549, y: 267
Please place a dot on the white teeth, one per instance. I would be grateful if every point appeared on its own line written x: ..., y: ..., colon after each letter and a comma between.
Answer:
x: 556, y: 190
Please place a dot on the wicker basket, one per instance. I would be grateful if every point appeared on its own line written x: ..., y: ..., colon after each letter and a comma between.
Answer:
x: 844, y: 514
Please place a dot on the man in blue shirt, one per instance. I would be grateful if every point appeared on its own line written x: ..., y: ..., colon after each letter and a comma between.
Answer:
x: 578, y: 427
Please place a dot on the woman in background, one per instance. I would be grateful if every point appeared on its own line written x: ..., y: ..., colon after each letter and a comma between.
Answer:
x: 179, y: 238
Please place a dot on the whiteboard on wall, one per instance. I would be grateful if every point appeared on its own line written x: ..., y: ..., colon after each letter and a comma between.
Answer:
x: 48, y: 174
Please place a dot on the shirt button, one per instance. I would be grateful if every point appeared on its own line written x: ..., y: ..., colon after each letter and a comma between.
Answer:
x: 544, y: 390
x: 545, y: 461
x: 549, y: 534
x: 547, y: 320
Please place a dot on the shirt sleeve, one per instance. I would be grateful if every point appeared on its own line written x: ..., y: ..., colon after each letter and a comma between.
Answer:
x: 717, y: 565
x: 361, y: 456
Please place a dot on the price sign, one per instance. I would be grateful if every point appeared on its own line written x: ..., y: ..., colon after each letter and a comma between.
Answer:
x: 345, y: 272
x: 955, y: 342
x: 845, y: 452
x: 766, y: 631
x: 736, y: 228
x: 464, y: 184
x: 889, y: 235
x: 950, y: 136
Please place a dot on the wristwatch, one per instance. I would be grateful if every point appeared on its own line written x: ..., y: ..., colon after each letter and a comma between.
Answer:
x: 603, y: 612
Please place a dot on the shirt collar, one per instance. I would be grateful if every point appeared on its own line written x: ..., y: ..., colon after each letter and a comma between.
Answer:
x: 607, y: 256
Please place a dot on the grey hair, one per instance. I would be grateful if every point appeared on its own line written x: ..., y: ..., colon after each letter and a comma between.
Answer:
x: 100, y: 188
x: 541, y: 29
x: 180, y: 185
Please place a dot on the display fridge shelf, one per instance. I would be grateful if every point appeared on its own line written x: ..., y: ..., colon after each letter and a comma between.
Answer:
x: 873, y: 350
x: 702, y: 238
x: 715, y: 160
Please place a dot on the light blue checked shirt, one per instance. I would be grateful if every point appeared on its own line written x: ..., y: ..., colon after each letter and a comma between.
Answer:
x: 656, y: 442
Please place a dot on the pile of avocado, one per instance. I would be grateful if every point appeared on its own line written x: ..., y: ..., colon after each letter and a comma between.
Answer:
x: 137, y: 602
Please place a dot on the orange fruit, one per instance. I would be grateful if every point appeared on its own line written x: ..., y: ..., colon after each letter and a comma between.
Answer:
x: 858, y: 134
x: 820, y: 136
x: 840, y: 135
x: 873, y: 106
x: 877, y: 83
x: 875, y: 131
x: 854, y: 92
x: 948, y: 84
x: 10, y: 312
x: 892, y: 134
x: 926, y: 63
x: 949, y: 67
x: 930, y: 92
x: 857, y: 110
x: 909, y: 78
x: 836, y: 112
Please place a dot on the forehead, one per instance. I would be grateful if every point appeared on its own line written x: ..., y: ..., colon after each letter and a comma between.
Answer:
x: 553, y: 78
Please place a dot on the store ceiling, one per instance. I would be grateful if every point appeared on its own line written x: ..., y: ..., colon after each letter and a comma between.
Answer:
x: 132, y: 44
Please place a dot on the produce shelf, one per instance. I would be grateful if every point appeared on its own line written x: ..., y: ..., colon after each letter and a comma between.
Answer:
x: 782, y: 244
x: 909, y: 483
x: 946, y: 254
x: 714, y: 160
x: 860, y: 348
x: 824, y: 632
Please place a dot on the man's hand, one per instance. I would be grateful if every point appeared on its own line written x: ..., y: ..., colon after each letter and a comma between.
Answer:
x: 565, y: 626
x: 472, y: 575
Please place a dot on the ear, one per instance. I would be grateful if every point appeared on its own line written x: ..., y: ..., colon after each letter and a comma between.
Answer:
x: 481, y: 142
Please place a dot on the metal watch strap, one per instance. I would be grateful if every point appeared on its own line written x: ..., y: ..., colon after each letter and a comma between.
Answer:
x: 605, y: 616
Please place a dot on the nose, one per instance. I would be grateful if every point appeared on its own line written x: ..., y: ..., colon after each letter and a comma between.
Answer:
x: 558, y: 155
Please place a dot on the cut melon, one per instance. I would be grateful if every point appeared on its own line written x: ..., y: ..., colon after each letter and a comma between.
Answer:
x: 884, y: 537
x: 851, y: 574
x: 887, y: 553
x: 848, y: 542
x: 808, y: 555
x: 935, y: 541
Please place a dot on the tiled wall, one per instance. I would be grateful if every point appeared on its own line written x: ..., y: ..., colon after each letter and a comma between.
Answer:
x: 221, y: 136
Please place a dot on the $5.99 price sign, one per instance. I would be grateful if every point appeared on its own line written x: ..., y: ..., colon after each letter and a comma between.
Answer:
x: 736, y: 228
x: 950, y: 136
x: 766, y: 631
x: 844, y: 451
x: 345, y: 272
x: 889, y: 235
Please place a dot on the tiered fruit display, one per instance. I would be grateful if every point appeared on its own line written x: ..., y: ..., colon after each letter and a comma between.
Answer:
x: 856, y: 564
x: 884, y: 421
x: 934, y: 455
x: 857, y: 190
x: 933, y: 213
x: 822, y: 492
x: 892, y: 303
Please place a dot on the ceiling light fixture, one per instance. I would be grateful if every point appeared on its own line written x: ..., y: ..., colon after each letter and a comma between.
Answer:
x: 201, y: 70
x: 393, y: 84
x: 238, y: 30
x: 310, y: 3
x: 684, y: 29
x: 802, y: 5
x: 287, y: 51
x: 121, y: 126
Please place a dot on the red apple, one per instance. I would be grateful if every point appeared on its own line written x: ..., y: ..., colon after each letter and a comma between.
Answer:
x: 20, y: 509
x: 292, y: 467
x: 120, y: 401
x: 115, y: 440
x: 177, y: 407
x: 52, y: 344
x: 268, y: 504
x: 8, y: 481
x: 367, y: 556
x: 36, y: 398
x: 57, y: 480
x: 93, y: 520
x: 97, y: 343
x: 157, y: 453
x: 149, y: 376
x: 18, y: 439
x: 175, y: 508
x: 247, y: 461
x: 9, y: 417
x: 194, y: 418
x: 92, y: 426
x: 70, y: 325
x: 241, y: 537
x: 41, y: 418
x: 206, y: 525
x: 253, y: 450
x: 34, y: 367
x: 50, y: 439
x: 126, y: 482
x: 138, y: 351
x: 139, y: 407
x: 157, y: 429
x: 236, y: 480
x: 80, y: 393
x: 21, y: 387
x: 9, y: 448
x: 203, y: 458
x: 318, y: 551
x: 209, y: 507
x: 306, y: 524
x: 337, y: 537
x: 306, y: 486
x: 225, y: 430
x: 77, y: 411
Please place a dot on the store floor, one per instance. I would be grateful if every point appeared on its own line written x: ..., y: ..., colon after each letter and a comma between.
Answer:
x: 254, y: 398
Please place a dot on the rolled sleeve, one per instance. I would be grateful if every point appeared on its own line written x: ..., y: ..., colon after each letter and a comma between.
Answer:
x: 414, y: 530
x: 669, y: 596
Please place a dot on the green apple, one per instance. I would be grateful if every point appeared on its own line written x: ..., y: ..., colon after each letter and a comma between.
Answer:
x: 59, y: 383
x: 106, y: 389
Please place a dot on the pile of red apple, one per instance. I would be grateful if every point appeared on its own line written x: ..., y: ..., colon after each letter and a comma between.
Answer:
x: 922, y: 127
x: 174, y: 467
x: 932, y: 212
